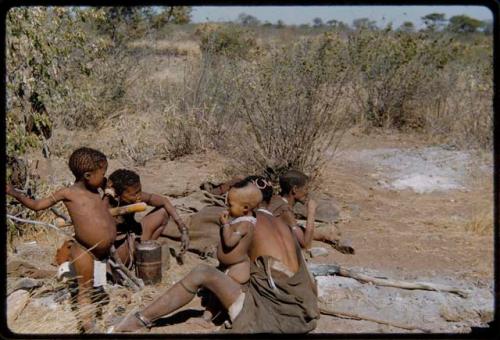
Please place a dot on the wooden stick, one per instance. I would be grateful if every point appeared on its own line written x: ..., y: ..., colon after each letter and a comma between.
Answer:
x: 402, y: 284
x: 354, y: 316
x: 128, y: 279
x: 45, y: 224
x: 125, y: 270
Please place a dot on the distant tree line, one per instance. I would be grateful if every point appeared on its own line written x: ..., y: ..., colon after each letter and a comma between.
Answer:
x: 433, y: 22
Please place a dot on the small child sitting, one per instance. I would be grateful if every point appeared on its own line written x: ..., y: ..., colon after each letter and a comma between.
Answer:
x: 123, y: 188
x: 236, y: 236
x: 95, y: 228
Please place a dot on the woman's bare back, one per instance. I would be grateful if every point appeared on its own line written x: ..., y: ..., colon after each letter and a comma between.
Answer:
x: 273, y: 238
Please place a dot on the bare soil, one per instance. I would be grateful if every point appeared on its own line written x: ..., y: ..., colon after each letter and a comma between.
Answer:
x: 441, y: 234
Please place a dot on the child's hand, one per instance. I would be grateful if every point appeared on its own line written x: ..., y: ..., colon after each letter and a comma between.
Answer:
x: 184, y: 240
x: 224, y: 217
x: 311, y: 206
x: 109, y: 183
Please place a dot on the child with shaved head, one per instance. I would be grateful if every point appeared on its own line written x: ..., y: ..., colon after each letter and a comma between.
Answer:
x: 236, y: 236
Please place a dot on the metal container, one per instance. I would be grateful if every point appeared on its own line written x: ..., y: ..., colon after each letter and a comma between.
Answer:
x: 148, y: 261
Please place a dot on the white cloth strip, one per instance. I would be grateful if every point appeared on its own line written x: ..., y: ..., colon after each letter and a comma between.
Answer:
x: 250, y: 219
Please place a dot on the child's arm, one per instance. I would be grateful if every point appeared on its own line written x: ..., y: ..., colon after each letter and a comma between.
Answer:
x: 161, y: 201
x: 231, y: 238
x: 309, y: 233
x: 288, y: 217
x: 39, y: 204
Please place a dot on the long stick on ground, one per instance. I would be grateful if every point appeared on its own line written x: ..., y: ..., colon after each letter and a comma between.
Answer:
x: 402, y: 284
x: 45, y: 224
x: 325, y: 270
x: 354, y: 316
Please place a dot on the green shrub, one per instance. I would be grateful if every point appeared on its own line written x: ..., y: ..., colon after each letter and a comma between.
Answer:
x: 59, y: 72
x: 394, y: 71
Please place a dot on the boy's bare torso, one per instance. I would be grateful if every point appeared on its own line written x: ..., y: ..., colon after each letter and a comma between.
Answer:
x: 94, y: 226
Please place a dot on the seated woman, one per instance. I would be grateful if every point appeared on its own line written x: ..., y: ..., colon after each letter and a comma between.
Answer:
x: 281, y: 295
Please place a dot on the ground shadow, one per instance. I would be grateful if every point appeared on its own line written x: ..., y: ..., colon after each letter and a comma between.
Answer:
x: 179, y: 317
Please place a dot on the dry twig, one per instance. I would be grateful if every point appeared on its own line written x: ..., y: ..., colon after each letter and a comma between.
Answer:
x: 354, y: 316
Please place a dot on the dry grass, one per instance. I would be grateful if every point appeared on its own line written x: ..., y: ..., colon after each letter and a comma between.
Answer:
x: 167, y: 47
x: 62, y: 318
x: 481, y: 224
x: 24, y: 232
x: 461, y: 112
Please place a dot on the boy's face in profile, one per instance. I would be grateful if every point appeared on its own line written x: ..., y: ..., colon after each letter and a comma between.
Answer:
x: 95, y: 178
x: 236, y: 207
x: 301, y: 193
x: 132, y: 194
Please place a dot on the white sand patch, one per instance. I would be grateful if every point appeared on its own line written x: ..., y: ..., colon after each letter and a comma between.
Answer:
x: 422, y: 170
x: 423, y: 183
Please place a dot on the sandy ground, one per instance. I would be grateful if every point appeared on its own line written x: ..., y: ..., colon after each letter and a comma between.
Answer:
x: 413, y: 211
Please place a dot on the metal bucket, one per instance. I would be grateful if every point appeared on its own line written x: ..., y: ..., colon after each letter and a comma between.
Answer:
x: 148, y: 261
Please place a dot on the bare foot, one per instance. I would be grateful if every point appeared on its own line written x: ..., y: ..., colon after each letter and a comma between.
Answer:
x: 344, y: 246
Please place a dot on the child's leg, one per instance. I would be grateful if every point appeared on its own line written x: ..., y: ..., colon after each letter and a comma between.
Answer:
x: 84, y: 266
x: 153, y: 224
x: 123, y: 252
x: 331, y: 234
x: 327, y: 234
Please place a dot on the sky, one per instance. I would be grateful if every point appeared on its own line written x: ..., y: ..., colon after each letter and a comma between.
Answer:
x: 297, y: 15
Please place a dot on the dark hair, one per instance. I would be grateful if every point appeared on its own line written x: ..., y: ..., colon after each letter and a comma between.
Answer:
x: 122, y: 179
x: 264, y: 186
x: 85, y: 159
x: 290, y: 179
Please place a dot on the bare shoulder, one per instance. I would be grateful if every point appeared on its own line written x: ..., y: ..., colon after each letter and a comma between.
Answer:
x: 64, y: 193
x: 243, y: 226
x: 146, y: 196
